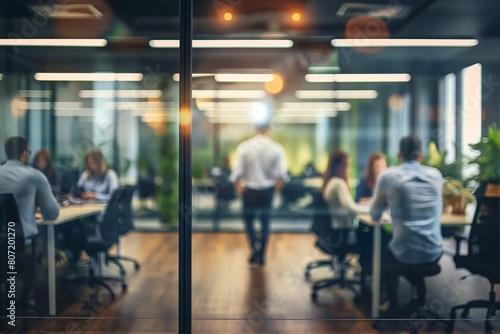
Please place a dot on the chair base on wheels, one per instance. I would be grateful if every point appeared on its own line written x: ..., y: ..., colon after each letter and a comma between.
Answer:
x: 317, y: 264
x: 116, y: 260
x: 94, y: 280
x: 490, y: 305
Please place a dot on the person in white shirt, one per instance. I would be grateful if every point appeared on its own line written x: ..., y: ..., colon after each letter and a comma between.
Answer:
x: 98, y: 181
x: 261, y: 163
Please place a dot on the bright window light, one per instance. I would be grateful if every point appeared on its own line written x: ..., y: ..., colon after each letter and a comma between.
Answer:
x: 471, y: 113
x: 240, y: 77
x: 260, y: 113
x: 336, y: 94
x: 229, y: 94
x: 375, y: 42
x: 226, y: 43
x: 1, y: 76
x: 54, y: 42
x: 88, y: 76
x: 137, y: 94
x: 396, y: 77
x: 450, y: 102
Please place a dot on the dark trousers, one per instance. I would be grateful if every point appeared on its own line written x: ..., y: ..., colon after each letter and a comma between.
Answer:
x: 391, y: 270
x: 257, y: 202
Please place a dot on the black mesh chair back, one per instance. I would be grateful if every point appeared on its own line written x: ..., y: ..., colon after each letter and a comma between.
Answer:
x: 125, y: 222
x: 109, y: 226
x: 484, y: 241
x: 329, y: 239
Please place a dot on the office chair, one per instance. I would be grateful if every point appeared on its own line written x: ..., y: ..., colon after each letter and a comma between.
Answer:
x: 125, y: 225
x: 332, y: 242
x: 483, y: 257
x: 9, y: 214
x: 99, y: 237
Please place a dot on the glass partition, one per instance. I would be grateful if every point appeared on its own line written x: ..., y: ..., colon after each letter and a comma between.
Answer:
x: 98, y: 107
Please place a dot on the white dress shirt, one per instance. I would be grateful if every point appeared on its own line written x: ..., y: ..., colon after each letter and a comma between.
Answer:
x: 104, y: 189
x: 261, y: 162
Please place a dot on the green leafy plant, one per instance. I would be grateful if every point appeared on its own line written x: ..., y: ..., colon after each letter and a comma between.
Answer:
x: 488, y: 158
x: 452, y: 187
x: 438, y: 161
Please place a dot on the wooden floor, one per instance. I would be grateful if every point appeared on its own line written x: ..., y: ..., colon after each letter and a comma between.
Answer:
x: 229, y: 296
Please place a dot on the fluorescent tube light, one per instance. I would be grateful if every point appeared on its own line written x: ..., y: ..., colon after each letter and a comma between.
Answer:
x: 137, y: 94
x: 229, y: 94
x: 374, y: 42
x: 243, y: 77
x: 202, y: 105
x: 226, y: 43
x: 336, y: 94
x: 88, y: 76
x: 1, y: 76
x: 393, y: 77
x: 194, y: 75
x: 54, y: 42
x: 342, y: 106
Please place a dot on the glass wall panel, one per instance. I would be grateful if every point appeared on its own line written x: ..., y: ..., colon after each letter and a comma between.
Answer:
x: 98, y: 107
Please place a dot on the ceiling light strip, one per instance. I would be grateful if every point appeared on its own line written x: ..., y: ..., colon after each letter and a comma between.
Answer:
x: 227, y: 43
x: 54, y: 42
x: 336, y: 94
x: 370, y: 43
x: 88, y: 76
x: 392, y: 77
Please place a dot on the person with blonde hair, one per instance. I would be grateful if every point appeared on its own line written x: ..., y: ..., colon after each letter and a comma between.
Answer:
x: 98, y: 181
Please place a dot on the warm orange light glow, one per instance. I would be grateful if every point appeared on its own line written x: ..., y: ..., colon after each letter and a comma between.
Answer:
x: 228, y: 16
x: 275, y: 86
x: 296, y: 17
x: 185, y: 119
x: 19, y: 106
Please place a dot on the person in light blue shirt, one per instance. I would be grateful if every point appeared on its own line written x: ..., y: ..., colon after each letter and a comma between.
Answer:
x: 413, y: 193
x: 98, y: 181
x: 28, y: 185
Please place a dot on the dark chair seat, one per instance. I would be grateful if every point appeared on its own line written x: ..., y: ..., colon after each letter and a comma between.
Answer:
x: 419, y: 271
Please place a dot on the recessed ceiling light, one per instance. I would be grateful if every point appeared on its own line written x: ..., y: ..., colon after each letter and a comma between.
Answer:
x: 226, y: 43
x: 104, y: 93
x: 53, y: 42
x: 88, y: 76
x: 397, y: 77
x: 382, y: 42
x: 243, y: 77
x: 336, y: 94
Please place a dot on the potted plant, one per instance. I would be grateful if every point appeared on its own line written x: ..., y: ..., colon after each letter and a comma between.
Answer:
x: 456, y: 196
x: 488, y: 160
x: 438, y: 161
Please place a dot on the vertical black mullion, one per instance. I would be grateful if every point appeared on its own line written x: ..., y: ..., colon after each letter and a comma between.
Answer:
x: 185, y: 191
x: 52, y: 119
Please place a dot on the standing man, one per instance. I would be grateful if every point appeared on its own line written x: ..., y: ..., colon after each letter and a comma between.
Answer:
x: 28, y: 185
x: 261, y: 164
x: 412, y: 192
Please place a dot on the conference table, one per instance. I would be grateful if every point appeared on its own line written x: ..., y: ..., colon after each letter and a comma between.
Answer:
x: 66, y: 214
x: 447, y: 220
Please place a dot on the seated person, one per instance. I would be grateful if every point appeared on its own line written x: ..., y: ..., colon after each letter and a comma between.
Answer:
x: 336, y: 191
x: 98, y: 181
x: 413, y: 193
x: 376, y: 164
x: 43, y: 162
x: 31, y: 190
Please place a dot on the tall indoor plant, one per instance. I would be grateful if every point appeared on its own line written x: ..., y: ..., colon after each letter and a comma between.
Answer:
x: 488, y: 160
